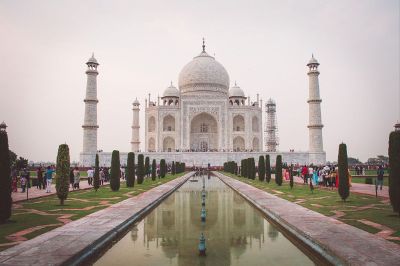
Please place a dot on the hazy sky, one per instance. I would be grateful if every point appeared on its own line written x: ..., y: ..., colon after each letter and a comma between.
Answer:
x: 142, y: 45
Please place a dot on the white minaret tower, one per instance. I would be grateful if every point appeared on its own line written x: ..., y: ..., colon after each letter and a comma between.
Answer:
x: 271, y: 129
x: 135, y: 142
x: 315, y: 122
x: 90, y: 121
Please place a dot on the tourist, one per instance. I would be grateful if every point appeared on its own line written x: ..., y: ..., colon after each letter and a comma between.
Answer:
x: 49, y: 178
x: 40, y: 181
x: 102, y: 176
x: 71, y: 177
x: 304, y: 173
x: 122, y: 173
x: 90, y: 174
x: 310, y: 173
x: 77, y: 178
x: 25, y: 173
x: 23, y: 183
x: 379, y: 177
x: 315, y: 176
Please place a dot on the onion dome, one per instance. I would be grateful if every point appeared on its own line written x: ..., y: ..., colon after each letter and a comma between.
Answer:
x: 92, y: 60
x: 236, y: 91
x: 3, y: 126
x: 136, y: 102
x: 204, y: 73
x: 171, y: 91
x: 312, y: 61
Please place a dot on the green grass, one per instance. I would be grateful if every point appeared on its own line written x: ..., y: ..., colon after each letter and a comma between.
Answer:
x: 327, y: 201
x: 23, y: 217
x: 362, y: 180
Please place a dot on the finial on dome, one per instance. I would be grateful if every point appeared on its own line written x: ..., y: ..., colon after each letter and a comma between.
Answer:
x: 235, y: 84
x: 171, y: 84
x: 204, y: 45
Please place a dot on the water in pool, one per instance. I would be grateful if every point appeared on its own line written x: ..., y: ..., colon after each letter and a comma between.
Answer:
x: 236, y: 233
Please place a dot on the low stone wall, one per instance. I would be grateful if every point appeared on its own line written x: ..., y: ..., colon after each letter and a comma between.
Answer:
x: 337, y: 242
x: 77, y: 242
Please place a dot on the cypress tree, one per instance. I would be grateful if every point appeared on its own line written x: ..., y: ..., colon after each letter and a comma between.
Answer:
x: 62, y: 173
x: 252, y: 168
x: 244, y: 168
x: 147, y: 166
x: 130, y: 170
x: 96, y: 176
x: 267, y: 168
x: 278, y: 170
x: 5, y: 178
x: 115, y: 171
x: 261, y: 168
x: 153, y: 170
x: 162, y: 168
x: 173, y: 170
x: 291, y: 177
x: 394, y: 174
x: 140, y: 169
x: 343, y: 172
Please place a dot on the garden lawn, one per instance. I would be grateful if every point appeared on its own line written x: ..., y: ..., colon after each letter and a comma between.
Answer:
x: 362, y: 180
x: 358, y: 210
x: 37, y: 216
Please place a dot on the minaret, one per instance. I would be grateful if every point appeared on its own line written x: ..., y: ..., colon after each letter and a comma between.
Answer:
x: 314, y: 103
x: 90, y: 121
x: 135, y: 142
x: 271, y: 128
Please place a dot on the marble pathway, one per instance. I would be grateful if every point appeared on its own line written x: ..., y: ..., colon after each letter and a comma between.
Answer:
x: 78, y: 240
x: 340, y: 243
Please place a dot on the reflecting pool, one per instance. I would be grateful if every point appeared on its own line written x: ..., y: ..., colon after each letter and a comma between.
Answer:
x: 236, y: 233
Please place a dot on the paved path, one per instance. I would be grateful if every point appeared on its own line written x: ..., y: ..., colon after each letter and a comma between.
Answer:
x: 338, y: 242
x: 358, y: 188
x: 77, y: 241
x: 37, y: 193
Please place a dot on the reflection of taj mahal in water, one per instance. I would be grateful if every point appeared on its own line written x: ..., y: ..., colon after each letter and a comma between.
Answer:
x: 204, y: 121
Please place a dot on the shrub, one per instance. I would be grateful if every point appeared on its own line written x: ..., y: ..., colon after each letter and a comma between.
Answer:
x: 394, y: 174
x: 130, y: 170
x: 267, y: 168
x: 252, y: 168
x: 343, y: 172
x: 153, y: 170
x: 140, y: 169
x: 278, y: 170
x: 115, y: 171
x: 291, y: 177
x: 261, y: 168
x: 147, y: 166
x: 96, y: 176
x: 173, y: 170
x: 5, y: 178
x: 62, y: 173
x: 162, y: 168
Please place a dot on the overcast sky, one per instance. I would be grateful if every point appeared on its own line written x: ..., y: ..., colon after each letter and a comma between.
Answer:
x: 142, y: 45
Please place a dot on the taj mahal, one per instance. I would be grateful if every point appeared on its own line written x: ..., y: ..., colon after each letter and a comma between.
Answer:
x: 204, y: 120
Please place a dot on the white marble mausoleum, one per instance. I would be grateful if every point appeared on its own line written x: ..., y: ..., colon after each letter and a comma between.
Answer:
x: 201, y: 121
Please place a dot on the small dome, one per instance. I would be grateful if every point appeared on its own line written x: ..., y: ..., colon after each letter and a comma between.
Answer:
x: 312, y: 61
x: 92, y: 60
x: 236, y: 91
x: 136, y: 102
x: 171, y: 91
x: 271, y: 102
x: 3, y: 125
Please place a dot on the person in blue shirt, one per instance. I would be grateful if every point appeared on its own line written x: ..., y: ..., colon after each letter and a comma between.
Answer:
x: 49, y: 178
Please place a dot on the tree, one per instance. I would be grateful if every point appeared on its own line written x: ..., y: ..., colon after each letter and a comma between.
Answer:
x: 13, y: 158
x: 173, y: 170
x: 115, y: 171
x: 5, y: 178
x: 343, y: 172
x: 147, y: 166
x: 291, y: 177
x: 153, y: 170
x: 261, y: 168
x: 267, y: 168
x: 394, y: 174
x: 21, y: 163
x: 252, y: 168
x: 62, y: 173
x: 130, y: 170
x: 162, y: 168
x: 278, y: 170
x: 140, y: 169
x: 96, y: 176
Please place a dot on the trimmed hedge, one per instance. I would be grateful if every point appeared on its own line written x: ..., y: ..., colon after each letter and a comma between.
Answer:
x: 267, y: 168
x: 130, y: 170
x: 62, y: 173
x: 394, y: 174
x: 140, y: 169
x: 344, y: 190
x: 115, y: 174
x: 278, y: 170
x: 5, y: 178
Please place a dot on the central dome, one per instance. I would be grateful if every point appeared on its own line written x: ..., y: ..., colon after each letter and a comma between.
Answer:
x: 204, y: 73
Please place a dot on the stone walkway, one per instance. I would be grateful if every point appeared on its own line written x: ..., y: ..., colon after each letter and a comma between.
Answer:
x: 37, y: 193
x: 339, y: 243
x: 77, y: 241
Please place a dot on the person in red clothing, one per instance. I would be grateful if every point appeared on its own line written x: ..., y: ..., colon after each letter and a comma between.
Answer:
x: 304, y: 173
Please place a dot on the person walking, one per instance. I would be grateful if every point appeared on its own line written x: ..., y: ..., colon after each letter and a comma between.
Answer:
x: 49, y: 179
x: 40, y: 181
x: 102, y: 176
x: 304, y: 173
x: 71, y: 177
x: 77, y: 178
x: 379, y: 177
x: 90, y: 174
